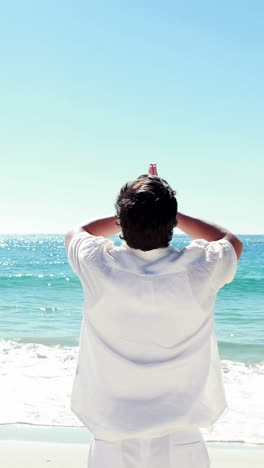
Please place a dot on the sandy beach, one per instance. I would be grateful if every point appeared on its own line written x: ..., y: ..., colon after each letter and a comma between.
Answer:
x: 20, y: 454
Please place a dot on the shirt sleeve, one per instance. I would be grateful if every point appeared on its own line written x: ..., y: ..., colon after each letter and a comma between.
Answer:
x: 83, y: 249
x: 220, y: 260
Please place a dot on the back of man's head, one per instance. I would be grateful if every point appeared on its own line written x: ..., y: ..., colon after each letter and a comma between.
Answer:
x: 147, y: 209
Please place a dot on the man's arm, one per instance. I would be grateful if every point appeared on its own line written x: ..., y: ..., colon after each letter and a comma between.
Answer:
x: 100, y: 227
x: 199, y: 229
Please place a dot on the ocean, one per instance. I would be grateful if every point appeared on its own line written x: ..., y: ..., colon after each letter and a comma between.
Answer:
x: 40, y: 315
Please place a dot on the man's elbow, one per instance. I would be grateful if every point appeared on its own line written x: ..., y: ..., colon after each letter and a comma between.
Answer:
x: 70, y: 234
x: 240, y: 248
x: 237, y: 244
x: 67, y: 239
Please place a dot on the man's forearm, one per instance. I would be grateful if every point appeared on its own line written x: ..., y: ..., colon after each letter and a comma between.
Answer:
x: 103, y: 227
x: 198, y: 228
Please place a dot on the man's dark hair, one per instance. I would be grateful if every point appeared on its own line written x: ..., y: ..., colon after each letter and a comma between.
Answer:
x: 146, y: 209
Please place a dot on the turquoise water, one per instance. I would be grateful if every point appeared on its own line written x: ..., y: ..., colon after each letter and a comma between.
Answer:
x: 40, y: 315
x: 41, y: 297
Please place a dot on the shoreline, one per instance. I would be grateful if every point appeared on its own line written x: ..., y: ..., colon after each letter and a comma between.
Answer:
x: 32, y: 446
x: 26, y: 432
x: 73, y: 434
x: 30, y: 454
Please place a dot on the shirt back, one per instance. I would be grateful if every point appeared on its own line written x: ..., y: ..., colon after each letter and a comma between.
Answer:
x: 148, y: 360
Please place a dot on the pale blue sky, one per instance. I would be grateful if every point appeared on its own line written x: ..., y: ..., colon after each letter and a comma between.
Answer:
x: 91, y: 92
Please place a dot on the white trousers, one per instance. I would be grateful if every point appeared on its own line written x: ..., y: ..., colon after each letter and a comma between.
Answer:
x: 170, y: 451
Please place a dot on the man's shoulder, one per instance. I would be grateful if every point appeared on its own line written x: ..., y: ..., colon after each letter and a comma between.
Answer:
x: 194, y: 252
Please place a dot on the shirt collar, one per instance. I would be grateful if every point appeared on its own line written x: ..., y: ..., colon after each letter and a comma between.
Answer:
x: 153, y: 254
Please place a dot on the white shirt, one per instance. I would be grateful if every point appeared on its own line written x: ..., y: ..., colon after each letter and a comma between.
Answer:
x: 148, y: 361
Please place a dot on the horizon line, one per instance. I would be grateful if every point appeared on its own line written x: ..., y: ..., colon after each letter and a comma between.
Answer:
x: 64, y: 233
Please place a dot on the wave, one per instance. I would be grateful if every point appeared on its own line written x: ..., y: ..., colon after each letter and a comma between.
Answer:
x: 246, y: 284
x: 44, y: 375
x: 242, y: 352
x: 246, y: 353
x: 33, y: 283
x: 30, y: 276
x: 59, y: 341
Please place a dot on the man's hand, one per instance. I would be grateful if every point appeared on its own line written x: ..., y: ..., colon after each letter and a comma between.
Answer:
x: 153, y: 169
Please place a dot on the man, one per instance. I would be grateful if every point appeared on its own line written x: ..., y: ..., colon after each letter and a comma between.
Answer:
x: 148, y: 374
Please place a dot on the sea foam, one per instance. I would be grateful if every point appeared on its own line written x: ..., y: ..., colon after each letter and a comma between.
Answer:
x: 36, y: 382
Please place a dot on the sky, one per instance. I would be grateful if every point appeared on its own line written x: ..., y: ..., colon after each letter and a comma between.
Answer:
x: 92, y: 92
